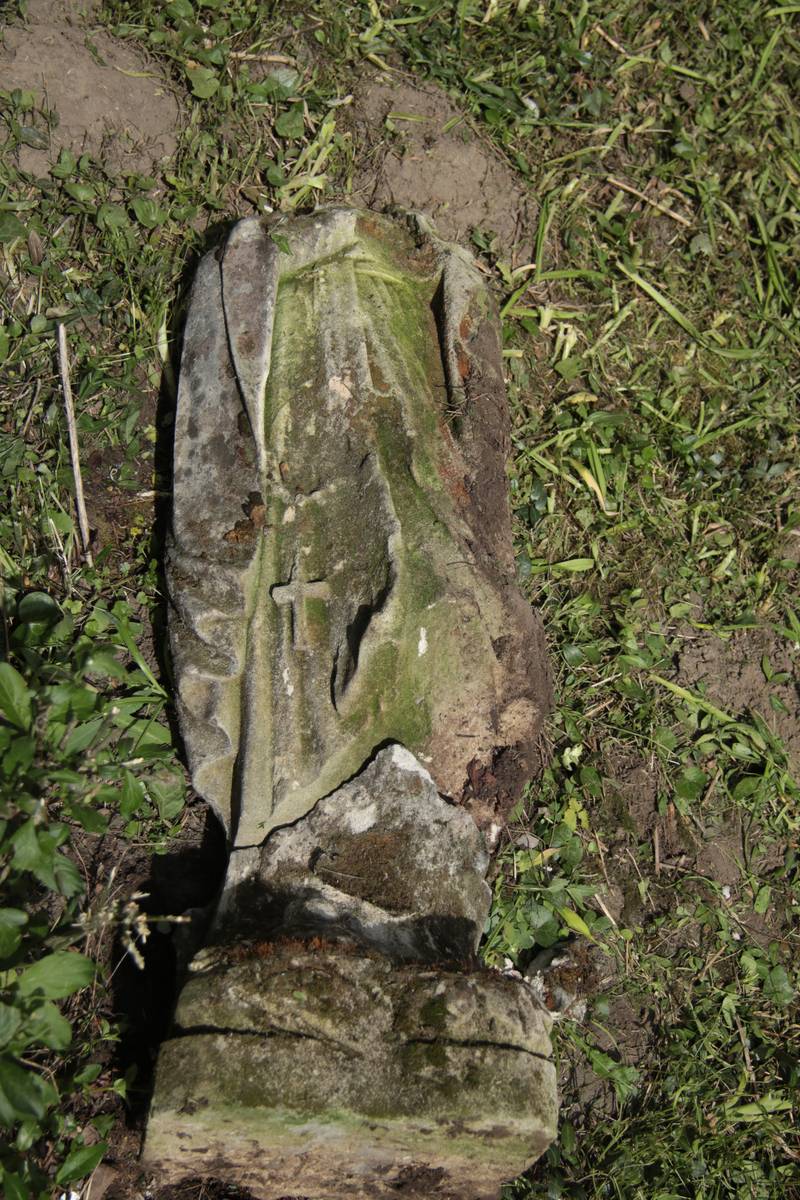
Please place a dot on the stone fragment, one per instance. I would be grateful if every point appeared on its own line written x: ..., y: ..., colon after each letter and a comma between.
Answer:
x: 341, y: 567
x: 383, y: 861
x: 316, y: 1072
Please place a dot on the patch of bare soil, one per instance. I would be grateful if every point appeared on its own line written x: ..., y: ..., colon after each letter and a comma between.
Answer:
x: 433, y: 161
x: 110, y: 101
x: 627, y: 1036
x: 734, y: 672
x: 721, y: 848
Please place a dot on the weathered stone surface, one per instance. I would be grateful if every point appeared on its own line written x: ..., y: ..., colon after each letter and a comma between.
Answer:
x: 383, y: 862
x: 329, y: 1074
x: 360, y: 689
x: 341, y: 568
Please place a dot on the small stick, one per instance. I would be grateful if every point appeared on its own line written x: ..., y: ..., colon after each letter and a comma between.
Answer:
x: 669, y: 212
x: 602, y: 863
x: 745, y: 1047
x: 31, y: 407
x: 74, y: 453
x: 615, y: 45
x: 604, y: 907
x: 245, y: 56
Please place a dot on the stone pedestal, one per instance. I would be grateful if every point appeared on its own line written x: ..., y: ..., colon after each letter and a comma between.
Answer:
x: 314, y: 1071
x: 360, y: 688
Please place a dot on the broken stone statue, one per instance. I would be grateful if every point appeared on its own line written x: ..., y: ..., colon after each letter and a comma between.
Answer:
x: 360, y: 689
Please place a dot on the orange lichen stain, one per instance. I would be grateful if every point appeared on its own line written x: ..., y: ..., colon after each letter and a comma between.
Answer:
x: 254, y: 519
x: 256, y: 509
x: 464, y: 364
x: 465, y: 328
x: 451, y: 476
x: 369, y: 227
x: 243, y: 531
x: 242, y: 951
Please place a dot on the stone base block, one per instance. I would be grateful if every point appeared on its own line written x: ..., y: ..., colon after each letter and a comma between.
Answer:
x: 327, y: 1075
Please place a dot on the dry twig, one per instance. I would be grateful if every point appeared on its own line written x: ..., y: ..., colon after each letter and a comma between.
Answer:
x: 669, y: 212
x: 74, y: 453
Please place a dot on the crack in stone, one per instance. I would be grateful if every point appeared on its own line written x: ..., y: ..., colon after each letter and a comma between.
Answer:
x: 478, y: 1044
x: 278, y: 1030
x: 181, y: 1031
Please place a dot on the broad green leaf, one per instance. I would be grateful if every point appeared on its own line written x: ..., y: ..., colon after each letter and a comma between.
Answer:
x: 168, y: 795
x: 747, y: 786
x: 570, y: 368
x: 279, y: 83
x: 573, y: 564
x: 67, y: 878
x: 84, y: 193
x: 132, y: 796
x: 778, y: 987
x: 57, y: 975
x: 19, y: 754
x: 89, y: 818
x: 148, y: 213
x: 80, y: 1161
x: 47, y: 1025
x: 102, y: 662
x: 282, y: 242
x: 690, y: 783
x: 11, y: 922
x: 148, y: 733
x: 291, y: 124
x: 10, y: 1021
x: 66, y: 165
x: 11, y: 227
x: 756, y: 1110
x: 27, y: 851
x: 547, y: 933
x: 15, y: 697
x: 88, y: 1074
x: 38, y: 606
x: 14, y: 1188
x: 83, y: 735
x: 112, y: 216
x: 204, y: 81
x: 571, y: 919
x: 23, y: 1093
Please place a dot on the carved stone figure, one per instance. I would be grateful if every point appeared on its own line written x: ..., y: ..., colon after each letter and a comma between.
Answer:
x: 360, y: 689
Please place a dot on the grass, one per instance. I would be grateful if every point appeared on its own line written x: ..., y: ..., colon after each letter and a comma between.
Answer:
x: 652, y: 353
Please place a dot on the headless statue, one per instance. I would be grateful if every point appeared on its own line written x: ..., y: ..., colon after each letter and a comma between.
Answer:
x: 360, y: 690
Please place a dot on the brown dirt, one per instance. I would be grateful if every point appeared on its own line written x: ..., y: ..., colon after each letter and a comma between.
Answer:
x: 110, y: 101
x: 720, y: 848
x: 732, y: 676
x: 628, y: 1036
x: 450, y: 174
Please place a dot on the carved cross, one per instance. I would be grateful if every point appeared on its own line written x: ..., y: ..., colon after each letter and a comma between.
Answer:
x: 295, y: 592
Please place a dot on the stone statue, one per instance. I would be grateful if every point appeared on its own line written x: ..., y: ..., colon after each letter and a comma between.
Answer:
x: 360, y: 690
